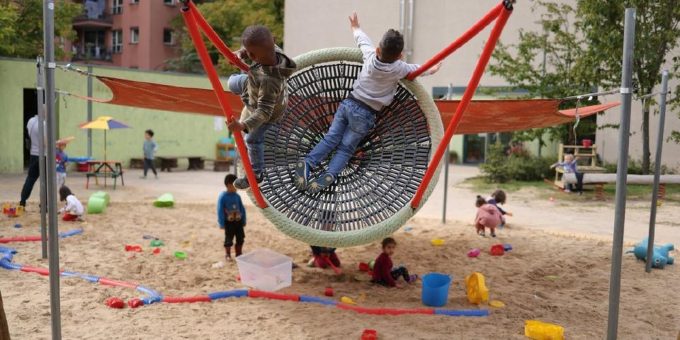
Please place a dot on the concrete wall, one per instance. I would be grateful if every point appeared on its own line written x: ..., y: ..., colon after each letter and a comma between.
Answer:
x: 176, y: 133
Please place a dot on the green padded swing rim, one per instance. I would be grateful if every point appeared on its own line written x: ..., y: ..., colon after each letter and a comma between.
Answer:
x: 390, y: 225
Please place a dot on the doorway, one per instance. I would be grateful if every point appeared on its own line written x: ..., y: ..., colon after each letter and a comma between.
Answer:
x: 30, y: 110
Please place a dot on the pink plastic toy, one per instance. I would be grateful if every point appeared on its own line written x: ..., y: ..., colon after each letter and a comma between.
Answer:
x: 474, y: 252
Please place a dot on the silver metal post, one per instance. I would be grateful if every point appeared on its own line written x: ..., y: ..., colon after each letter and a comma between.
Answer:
x: 53, y: 237
x: 40, y: 83
x: 621, y: 175
x: 89, y: 110
x: 657, y: 169
x: 446, y: 182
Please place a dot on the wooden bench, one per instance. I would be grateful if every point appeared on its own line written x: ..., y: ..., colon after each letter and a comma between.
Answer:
x: 169, y: 162
x: 221, y: 165
x: 599, y: 180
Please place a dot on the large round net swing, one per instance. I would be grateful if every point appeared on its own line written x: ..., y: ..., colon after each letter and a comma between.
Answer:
x: 371, y: 197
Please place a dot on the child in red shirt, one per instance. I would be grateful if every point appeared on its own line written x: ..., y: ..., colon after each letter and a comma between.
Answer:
x: 384, y: 273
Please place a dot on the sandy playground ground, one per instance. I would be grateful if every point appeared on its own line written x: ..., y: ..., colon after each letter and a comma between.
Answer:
x: 557, y: 271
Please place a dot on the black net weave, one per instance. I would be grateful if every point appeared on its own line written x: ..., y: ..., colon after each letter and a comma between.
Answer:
x: 381, y: 177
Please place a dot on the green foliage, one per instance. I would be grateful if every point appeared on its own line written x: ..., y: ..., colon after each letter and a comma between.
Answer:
x: 21, y: 28
x: 228, y: 19
x: 579, y: 49
x: 519, y: 165
x: 635, y: 168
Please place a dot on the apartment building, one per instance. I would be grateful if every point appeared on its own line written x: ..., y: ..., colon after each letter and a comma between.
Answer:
x: 126, y: 33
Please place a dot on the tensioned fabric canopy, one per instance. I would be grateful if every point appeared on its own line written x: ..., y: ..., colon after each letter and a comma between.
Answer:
x: 480, y: 116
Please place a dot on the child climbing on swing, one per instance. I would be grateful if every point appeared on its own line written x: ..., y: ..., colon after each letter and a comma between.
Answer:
x: 73, y: 211
x: 488, y: 216
x: 499, y: 197
x: 263, y: 91
x: 355, y: 117
x: 231, y: 216
x: 383, y: 271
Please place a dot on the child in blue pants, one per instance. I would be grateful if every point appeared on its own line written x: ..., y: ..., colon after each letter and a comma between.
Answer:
x: 374, y: 89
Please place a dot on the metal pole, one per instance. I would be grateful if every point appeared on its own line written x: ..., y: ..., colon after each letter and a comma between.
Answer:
x: 89, y: 109
x: 446, y: 182
x: 621, y: 175
x: 40, y: 83
x: 657, y: 169
x: 53, y: 238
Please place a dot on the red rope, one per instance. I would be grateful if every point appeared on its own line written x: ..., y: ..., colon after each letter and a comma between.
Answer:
x: 215, y: 39
x: 462, y: 40
x: 467, y: 96
x: 190, y: 20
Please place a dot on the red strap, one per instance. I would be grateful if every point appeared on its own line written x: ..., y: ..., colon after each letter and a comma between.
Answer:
x: 467, y: 96
x: 190, y: 20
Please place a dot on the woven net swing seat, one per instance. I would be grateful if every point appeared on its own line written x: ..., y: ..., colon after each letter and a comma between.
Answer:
x: 371, y: 197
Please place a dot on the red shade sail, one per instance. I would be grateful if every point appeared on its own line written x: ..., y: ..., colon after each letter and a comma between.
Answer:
x: 480, y: 116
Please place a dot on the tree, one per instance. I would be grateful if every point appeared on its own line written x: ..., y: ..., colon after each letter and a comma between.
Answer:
x: 228, y: 19
x: 21, y: 26
x: 657, y: 33
x: 547, y: 65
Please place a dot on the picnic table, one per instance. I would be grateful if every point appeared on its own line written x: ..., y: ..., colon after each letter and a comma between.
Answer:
x: 105, y: 169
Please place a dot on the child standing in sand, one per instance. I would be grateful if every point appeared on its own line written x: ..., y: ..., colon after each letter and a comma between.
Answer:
x: 231, y: 215
x: 488, y: 216
x: 62, y: 159
x: 150, y: 147
x: 355, y: 118
x: 263, y: 91
x: 73, y: 211
x: 499, y: 197
x: 383, y: 271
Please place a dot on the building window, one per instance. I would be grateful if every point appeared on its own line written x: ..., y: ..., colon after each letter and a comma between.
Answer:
x: 117, y: 6
x: 168, y: 37
x: 117, y: 41
x: 134, y: 2
x: 134, y: 35
x: 169, y: 2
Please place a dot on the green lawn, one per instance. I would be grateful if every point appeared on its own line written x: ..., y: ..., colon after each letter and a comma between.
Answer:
x: 635, y: 192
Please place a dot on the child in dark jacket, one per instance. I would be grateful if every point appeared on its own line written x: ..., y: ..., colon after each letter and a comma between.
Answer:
x: 383, y: 271
x: 263, y: 90
x: 231, y: 215
x: 499, y: 197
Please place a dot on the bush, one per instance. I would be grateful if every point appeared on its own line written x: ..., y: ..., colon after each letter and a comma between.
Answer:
x: 520, y: 166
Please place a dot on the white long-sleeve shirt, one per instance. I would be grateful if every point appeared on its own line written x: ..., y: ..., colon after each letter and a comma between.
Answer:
x: 377, y: 82
x: 73, y: 206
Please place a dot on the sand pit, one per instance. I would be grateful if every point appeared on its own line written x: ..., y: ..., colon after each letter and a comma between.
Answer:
x: 548, y: 277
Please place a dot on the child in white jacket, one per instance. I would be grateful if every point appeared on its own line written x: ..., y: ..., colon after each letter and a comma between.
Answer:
x: 73, y: 211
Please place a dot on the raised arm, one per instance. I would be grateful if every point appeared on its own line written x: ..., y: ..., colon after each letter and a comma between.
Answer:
x: 362, y: 40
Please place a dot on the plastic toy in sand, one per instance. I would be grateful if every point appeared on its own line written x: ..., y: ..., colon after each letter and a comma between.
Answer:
x: 164, y: 201
x: 497, y: 250
x: 265, y: 269
x: 437, y: 242
x: 435, y: 291
x: 156, y: 243
x: 180, y: 255
x: 496, y: 304
x: 660, y: 255
x: 328, y: 291
x: 98, y: 202
x: 10, y: 210
x: 539, y: 330
x: 369, y: 334
x: 474, y: 252
x: 476, y: 288
x: 133, y: 247
x: 115, y: 302
x: 18, y: 225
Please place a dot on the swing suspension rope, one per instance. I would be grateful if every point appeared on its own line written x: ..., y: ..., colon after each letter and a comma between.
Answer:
x: 325, y: 78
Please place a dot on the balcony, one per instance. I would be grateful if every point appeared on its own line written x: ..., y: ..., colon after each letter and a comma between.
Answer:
x: 93, y: 16
x: 91, y: 53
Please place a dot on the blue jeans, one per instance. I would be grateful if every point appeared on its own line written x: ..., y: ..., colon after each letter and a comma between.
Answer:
x: 352, y: 122
x: 254, y: 139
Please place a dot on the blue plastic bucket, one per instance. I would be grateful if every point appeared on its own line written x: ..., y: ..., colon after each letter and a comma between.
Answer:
x: 436, y: 289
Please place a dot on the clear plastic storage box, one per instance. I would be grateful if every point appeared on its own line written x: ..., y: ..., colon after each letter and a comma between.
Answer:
x: 265, y: 269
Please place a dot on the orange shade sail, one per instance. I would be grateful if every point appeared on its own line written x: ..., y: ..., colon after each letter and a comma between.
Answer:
x: 481, y: 115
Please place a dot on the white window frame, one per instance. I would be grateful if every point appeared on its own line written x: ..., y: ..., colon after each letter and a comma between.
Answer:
x: 172, y: 36
x: 117, y: 41
x: 116, y: 6
x: 134, y: 35
x: 169, y: 2
x: 134, y: 2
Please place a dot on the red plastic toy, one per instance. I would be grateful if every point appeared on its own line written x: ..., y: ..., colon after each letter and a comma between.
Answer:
x: 497, y: 250
x: 369, y: 334
x: 328, y: 291
x: 134, y: 303
x: 115, y: 302
x: 363, y: 266
x: 135, y: 248
x: 157, y: 251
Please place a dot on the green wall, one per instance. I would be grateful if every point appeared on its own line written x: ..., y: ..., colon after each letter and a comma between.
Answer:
x: 176, y: 133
